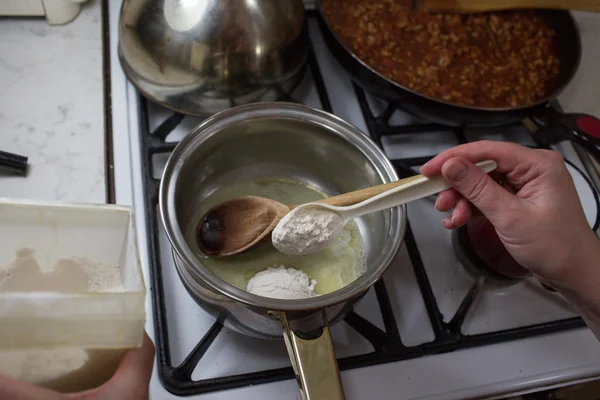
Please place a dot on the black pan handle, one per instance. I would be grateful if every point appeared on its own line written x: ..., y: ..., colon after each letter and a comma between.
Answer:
x: 583, y: 129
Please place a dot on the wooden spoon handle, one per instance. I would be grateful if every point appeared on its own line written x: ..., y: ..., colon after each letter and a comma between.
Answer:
x: 351, y: 198
x: 496, y: 5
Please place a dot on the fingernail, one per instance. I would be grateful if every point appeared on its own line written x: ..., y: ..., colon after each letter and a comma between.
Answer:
x: 446, y: 220
x: 453, y: 216
x: 456, y: 171
x: 436, y: 203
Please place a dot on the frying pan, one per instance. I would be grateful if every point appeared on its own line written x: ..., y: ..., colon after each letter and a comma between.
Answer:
x: 555, y: 126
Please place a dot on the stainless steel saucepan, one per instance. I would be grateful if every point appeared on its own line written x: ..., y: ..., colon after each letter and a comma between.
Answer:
x: 203, y: 56
x: 280, y: 140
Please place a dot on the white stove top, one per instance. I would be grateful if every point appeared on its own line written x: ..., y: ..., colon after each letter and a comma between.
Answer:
x: 468, y: 373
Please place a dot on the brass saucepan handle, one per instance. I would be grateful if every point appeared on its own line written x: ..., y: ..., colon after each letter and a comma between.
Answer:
x: 314, y: 362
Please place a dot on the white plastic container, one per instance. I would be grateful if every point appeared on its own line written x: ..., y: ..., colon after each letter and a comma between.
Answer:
x: 57, y: 12
x: 54, y: 231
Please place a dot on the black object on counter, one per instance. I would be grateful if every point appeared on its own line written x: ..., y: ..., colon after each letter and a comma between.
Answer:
x: 13, y: 163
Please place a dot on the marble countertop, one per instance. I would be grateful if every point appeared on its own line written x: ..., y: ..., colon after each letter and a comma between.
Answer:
x: 51, y: 106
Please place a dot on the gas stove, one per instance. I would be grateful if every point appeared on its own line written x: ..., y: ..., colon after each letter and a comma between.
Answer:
x: 430, y: 329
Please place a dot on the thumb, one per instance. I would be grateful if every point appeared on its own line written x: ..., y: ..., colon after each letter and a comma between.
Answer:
x: 477, y: 187
x: 130, y: 381
x: 132, y: 378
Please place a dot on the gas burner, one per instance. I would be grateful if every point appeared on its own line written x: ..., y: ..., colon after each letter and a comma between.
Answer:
x: 475, y: 265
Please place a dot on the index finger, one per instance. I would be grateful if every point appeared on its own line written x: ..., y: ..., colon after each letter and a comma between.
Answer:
x: 507, y: 155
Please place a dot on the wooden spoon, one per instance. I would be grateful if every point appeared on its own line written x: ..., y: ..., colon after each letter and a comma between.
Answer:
x: 471, y: 6
x: 236, y: 225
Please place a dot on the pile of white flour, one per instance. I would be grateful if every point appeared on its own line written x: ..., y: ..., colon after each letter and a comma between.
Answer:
x: 307, y: 229
x: 282, y: 283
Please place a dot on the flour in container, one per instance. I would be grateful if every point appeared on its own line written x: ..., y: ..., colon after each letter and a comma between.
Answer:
x: 68, y: 275
x: 64, y: 369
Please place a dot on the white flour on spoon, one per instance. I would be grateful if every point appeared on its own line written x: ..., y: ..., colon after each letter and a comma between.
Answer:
x: 305, y: 230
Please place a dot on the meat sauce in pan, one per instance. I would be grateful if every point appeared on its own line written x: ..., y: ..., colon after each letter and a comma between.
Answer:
x: 488, y: 60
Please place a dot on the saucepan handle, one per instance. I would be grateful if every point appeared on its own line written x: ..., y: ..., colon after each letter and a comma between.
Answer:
x: 314, y: 362
x: 583, y: 129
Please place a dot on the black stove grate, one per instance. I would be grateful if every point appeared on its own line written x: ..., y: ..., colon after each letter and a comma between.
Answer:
x: 387, y: 344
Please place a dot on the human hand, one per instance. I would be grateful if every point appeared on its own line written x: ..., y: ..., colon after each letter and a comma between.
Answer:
x: 130, y: 381
x: 538, y: 217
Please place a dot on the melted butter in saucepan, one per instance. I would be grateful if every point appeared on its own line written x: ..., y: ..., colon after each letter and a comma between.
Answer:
x: 332, y: 268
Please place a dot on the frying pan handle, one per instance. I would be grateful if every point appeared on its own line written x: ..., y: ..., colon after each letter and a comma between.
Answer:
x: 313, y: 360
x: 583, y: 129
